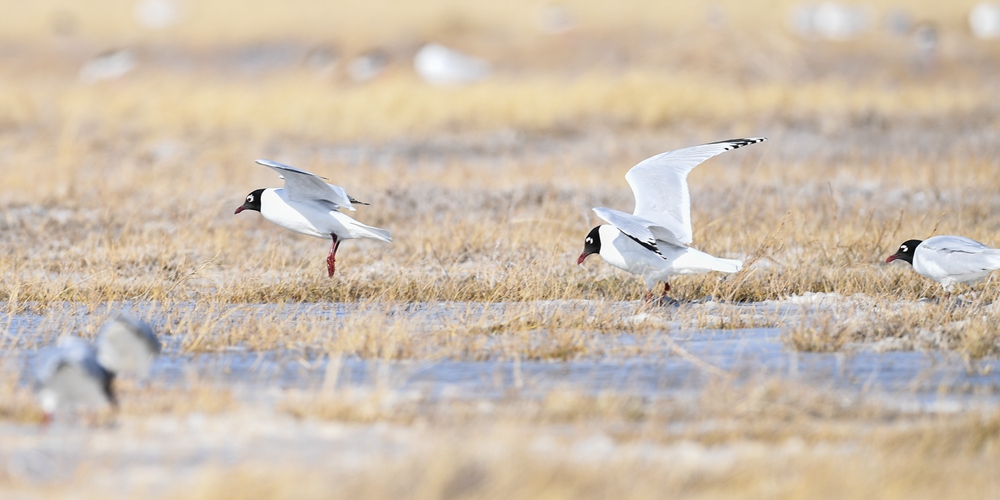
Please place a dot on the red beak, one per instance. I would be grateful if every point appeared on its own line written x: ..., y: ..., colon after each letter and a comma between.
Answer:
x: 583, y: 256
x: 891, y: 258
x: 239, y: 209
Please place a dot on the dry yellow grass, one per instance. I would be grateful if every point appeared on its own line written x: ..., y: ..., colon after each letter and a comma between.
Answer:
x: 120, y: 194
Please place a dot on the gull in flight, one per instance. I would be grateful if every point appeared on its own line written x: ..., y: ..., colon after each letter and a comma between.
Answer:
x: 308, y: 205
x: 653, y: 240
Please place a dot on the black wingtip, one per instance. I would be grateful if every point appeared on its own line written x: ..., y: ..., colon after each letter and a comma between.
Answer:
x: 739, y: 143
x: 357, y: 202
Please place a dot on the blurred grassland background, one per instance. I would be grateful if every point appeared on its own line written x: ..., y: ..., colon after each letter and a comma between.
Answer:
x: 160, y: 153
x: 239, y: 67
x: 122, y: 187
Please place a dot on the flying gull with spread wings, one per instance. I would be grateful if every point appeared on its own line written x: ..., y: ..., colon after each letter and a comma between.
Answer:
x: 653, y: 240
x: 308, y: 205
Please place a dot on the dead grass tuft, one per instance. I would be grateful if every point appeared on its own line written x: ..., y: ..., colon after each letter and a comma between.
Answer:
x: 825, y: 333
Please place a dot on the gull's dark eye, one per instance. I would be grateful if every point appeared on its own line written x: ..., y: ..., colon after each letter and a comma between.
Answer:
x: 903, y: 249
x: 589, y: 240
x: 250, y: 198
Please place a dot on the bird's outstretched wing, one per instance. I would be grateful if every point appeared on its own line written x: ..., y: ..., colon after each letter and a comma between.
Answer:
x: 126, y: 345
x: 304, y: 186
x: 660, y: 185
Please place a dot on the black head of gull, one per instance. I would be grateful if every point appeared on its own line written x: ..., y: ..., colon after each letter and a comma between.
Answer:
x: 905, y: 252
x: 251, y: 202
x: 591, y: 244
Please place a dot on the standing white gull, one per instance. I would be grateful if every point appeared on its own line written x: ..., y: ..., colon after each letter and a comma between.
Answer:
x: 653, y: 241
x: 308, y: 205
x: 949, y: 260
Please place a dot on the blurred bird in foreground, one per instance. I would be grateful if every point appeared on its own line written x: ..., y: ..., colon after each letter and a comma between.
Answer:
x: 76, y: 374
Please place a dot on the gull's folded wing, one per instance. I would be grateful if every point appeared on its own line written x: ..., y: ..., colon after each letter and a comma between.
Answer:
x: 644, y: 231
x: 960, y: 255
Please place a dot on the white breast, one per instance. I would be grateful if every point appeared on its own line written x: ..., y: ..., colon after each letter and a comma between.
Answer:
x: 927, y: 265
x: 299, y: 217
x: 626, y: 254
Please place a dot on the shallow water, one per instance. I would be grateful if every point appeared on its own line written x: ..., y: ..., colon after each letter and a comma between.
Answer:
x: 674, y: 361
x: 172, y: 453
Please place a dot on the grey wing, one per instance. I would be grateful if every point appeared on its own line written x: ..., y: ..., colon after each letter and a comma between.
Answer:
x: 629, y: 224
x: 660, y: 184
x: 304, y: 186
x: 644, y: 231
x: 665, y: 235
x: 961, y: 263
x: 145, y: 332
x: 127, y: 346
x: 48, y: 364
x: 961, y: 255
x: 948, y: 243
x: 68, y: 350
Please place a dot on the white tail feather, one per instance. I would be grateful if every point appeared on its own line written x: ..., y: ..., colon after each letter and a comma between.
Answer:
x: 727, y: 265
x: 375, y: 233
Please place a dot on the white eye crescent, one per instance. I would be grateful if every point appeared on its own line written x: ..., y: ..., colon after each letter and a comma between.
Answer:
x: 589, y: 241
x: 904, y: 249
x: 250, y: 198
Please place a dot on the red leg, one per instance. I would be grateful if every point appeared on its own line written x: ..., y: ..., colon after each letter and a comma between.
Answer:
x: 331, y: 260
